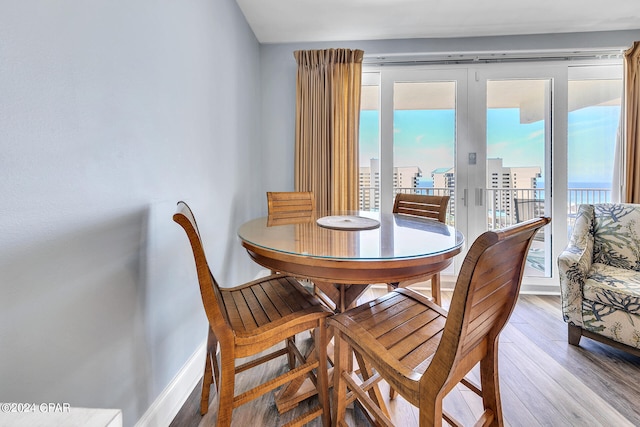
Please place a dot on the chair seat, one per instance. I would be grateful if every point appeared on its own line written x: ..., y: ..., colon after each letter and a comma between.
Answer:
x: 269, y: 307
x: 398, y: 333
x: 613, y: 286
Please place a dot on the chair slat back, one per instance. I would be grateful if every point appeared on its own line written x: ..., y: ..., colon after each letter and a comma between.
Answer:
x: 434, y: 207
x: 485, y: 294
x: 290, y: 207
x: 209, y: 289
x: 290, y: 203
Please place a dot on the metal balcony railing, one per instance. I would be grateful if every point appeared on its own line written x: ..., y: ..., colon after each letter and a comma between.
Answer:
x: 505, y: 206
x: 508, y: 206
x: 370, y: 198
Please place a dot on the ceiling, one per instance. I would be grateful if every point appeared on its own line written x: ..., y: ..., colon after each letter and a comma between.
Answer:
x: 288, y: 21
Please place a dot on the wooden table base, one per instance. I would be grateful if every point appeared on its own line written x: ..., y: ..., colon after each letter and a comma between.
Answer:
x: 343, y: 297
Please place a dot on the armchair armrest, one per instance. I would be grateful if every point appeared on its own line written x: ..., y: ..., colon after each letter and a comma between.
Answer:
x: 574, y: 263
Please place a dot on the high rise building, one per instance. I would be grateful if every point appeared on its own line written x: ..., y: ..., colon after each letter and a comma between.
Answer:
x: 405, y: 178
x: 444, y: 183
x: 370, y: 186
x: 512, y: 190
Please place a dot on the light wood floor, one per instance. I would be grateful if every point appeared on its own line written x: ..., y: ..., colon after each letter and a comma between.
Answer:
x: 544, y: 381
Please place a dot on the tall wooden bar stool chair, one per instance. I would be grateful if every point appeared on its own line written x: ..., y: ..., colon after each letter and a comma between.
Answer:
x: 251, y: 318
x: 290, y: 207
x: 433, y: 207
x: 422, y: 351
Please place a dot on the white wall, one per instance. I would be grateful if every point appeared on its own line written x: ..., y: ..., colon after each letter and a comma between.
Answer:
x: 110, y: 112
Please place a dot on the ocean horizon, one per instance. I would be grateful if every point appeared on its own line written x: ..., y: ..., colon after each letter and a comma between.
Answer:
x: 428, y: 183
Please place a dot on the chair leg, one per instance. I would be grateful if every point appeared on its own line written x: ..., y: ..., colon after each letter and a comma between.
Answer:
x: 575, y: 333
x: 291, y: 357
x: 214, y: 358
x: 430, y: 411
x: 211, y: 371
x: 323, y: 375
x: 392, y: 393
x: 435, y: 289
x: 207, y: 378
x: 341, y: 362
x: 227, y: 388
x: 490, y: 385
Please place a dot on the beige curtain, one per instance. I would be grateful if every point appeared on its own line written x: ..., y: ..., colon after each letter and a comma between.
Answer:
x: 327, y: 126
x: 632, y: 128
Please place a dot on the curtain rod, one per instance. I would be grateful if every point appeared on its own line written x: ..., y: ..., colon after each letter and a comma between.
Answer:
x: 490, y: 57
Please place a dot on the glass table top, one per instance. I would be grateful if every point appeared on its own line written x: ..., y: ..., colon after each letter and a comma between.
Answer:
x: 397, y: 237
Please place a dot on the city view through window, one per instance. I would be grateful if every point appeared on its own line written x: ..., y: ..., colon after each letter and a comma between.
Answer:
x: 424, y: 150
x: 512, y: 133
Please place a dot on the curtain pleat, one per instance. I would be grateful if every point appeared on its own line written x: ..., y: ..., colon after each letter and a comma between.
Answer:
x: 632, y: 125
x: 328, y: 88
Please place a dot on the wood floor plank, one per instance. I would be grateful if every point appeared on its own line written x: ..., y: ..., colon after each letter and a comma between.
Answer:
x: 574, y: 401
x: 515, y: 412
x: 456, y: 404
x: 611, y: 373
x: 544, y: 380
x: 539, y: 403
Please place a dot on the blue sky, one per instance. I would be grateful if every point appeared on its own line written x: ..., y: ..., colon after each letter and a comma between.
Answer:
x: 425, y: 138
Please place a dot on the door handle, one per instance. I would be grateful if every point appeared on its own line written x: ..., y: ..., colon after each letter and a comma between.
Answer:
x: 464, y: 197
x: 479, y: 197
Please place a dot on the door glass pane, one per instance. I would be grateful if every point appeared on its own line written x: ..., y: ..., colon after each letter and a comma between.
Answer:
x: 593, y: 119
x: 369, y: 153
x: 424, y: 135
x: 517, y: 120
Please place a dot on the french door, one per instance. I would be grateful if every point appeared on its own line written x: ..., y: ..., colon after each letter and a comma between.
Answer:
x: 481, y: 136
x: 494, y: 137
x: 423, y: 113
x: 517, y: 137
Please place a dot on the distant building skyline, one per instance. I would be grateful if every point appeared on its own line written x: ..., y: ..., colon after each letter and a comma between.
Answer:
x: 427, y: 139
x: 403, y: 177
x: 523, y: 180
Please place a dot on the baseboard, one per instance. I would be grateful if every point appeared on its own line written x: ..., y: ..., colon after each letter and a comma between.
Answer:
x: 164, y: 409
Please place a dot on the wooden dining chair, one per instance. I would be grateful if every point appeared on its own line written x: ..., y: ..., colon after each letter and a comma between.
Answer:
x: 251, y: 318
x: 290, y: 207
x: 422, y: 351
x: 433, y: 207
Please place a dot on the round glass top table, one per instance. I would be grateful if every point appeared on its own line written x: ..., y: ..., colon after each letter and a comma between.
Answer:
x: 351, y: 248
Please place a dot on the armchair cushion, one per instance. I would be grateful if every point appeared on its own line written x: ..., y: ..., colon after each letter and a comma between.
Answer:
x: 615, y: 287
x: 616, y: 235
x: 600, y: 275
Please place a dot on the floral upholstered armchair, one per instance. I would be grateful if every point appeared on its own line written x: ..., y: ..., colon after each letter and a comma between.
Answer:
x: 600, y: 276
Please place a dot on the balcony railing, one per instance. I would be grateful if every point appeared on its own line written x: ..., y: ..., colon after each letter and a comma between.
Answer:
x: 508, y: 206
x: 505, y: 206
x: 370, y: 198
